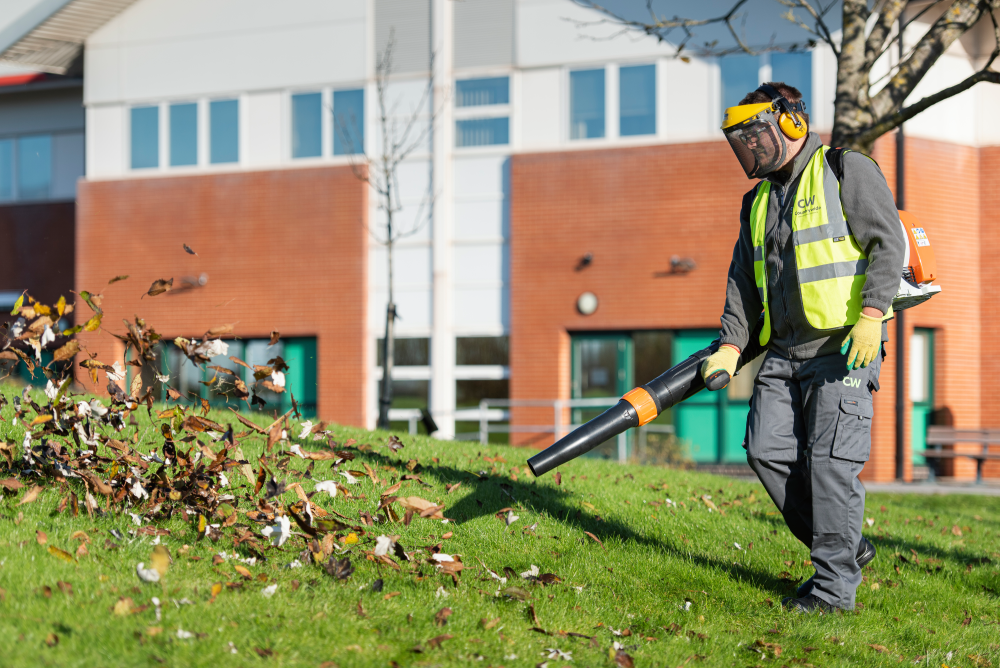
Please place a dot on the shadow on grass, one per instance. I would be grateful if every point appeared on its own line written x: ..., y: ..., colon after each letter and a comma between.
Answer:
x: 491, y: 493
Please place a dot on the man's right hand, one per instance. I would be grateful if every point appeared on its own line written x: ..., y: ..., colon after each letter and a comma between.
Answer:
x: 723, y: 360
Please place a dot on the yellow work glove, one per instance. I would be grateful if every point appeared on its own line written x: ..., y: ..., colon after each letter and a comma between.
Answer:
x: 725, y: 359
x: 865, y: 340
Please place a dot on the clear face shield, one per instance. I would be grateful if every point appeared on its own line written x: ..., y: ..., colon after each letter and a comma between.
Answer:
x: 758, y: 144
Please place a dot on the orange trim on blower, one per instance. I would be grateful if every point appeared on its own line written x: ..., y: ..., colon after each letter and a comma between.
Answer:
x: 643, y: 404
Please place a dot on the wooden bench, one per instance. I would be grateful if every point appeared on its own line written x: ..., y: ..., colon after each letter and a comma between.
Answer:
x: 938, y: 436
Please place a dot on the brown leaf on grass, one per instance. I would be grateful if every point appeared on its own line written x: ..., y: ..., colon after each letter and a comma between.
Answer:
x: 516, y: 593
x: 422, y: 507
x: 13, y: 484
x: 52, y: 640
x: 441, y: 618
x: 274, y: 338
x: 361, y: 610
x: 65, y: 587
x: 41, y: 537
x: 596, y: 539
x: 452, y: 488
x: 123, y: 606
x: 216, y: 590
x: 488, y: 624
x: 558, y: 478
x: 62, y: 554
x: 879, y: 648
x: 436, y: 641
x: 263, y: 652
x: 67, y: 351
x: 82, y: 551
x: 956, y: 531
x: 120, y: 277
x: 31, y: 495
x: 623, y: 660
x: 244, y: 571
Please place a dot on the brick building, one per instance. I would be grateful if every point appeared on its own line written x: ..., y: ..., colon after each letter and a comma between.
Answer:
x: 561, y: 176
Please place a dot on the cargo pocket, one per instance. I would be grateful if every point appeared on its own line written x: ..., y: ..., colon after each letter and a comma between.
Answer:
x: 853, y: 441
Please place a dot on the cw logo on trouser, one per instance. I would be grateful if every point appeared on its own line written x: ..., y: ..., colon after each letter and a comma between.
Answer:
x: 851, y: 382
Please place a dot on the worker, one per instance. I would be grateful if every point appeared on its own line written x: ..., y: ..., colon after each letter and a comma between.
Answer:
x: 820, y: 253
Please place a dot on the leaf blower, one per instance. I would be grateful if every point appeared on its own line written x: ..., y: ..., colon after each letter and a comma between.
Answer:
x: 643, y: 404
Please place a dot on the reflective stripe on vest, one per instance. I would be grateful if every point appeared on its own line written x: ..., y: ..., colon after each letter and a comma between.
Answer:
x: 830, y: 265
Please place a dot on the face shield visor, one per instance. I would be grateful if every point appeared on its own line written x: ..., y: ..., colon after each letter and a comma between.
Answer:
x: 756, y: 140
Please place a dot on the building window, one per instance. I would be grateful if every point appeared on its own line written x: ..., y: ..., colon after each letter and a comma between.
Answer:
x: 586, y: 106
x: 407, y: 352
x: 482, y: 350
x: 6, y: 170
x: 183, y: 134
x: 34, y: 167
x: 348, y: 122
x: 224, y: 131
x: 482, y: 92
x: 307, y: 131
x: 637, y: 100
x: 482, y: 132
x: 145, y: 137
x: 740, y: 75
x: 794, y: 69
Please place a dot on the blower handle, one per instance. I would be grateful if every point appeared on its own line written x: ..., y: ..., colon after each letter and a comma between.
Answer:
x: 717, y: 380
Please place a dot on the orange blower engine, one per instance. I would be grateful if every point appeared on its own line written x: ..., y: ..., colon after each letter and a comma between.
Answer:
x: 919, y: 266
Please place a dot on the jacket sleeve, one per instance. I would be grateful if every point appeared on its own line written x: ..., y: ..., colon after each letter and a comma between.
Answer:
x: 874, y: 222
x: 743, y: 305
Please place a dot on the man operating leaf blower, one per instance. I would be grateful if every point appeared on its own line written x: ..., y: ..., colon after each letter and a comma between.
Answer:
x: 820, y: 253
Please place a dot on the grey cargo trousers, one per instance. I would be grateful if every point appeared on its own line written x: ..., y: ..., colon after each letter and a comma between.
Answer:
x: 808, y: 437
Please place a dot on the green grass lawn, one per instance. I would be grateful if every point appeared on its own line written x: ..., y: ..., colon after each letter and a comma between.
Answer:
x: 672, y: 586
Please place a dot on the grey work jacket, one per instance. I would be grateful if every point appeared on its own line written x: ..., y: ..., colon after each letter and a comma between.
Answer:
x: 874, y: 222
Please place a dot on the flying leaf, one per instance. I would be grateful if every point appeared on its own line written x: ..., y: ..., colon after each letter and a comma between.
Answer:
x: 93, y: 323
x: 274, y: 338
x: 31, y: 495
x: 189, y: 250
x: 340, y: 569
x: 17, y: 305
x: 160, y: 559
x: 120, y: 277
x: 160, y: 286
x: 67, y: 351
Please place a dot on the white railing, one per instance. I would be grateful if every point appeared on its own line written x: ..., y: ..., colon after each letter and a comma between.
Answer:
x: 493, y: 411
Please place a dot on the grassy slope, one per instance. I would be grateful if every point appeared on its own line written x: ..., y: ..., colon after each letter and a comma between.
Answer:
x: 652, y: 560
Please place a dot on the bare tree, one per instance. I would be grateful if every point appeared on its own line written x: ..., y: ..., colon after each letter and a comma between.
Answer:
x: 866, y: 107
x: 400, y: 137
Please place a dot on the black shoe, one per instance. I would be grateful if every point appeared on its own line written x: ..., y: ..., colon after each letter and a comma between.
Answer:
x: 866, y: 552
x: 808, y: 604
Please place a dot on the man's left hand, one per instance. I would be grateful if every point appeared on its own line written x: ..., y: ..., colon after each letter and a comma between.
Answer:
x: 864, y: 340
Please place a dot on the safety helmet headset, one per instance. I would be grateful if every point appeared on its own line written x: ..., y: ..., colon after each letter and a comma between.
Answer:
x: 756, y: 131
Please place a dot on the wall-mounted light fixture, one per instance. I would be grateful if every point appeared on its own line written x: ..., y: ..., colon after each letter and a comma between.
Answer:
x: 586, y: 303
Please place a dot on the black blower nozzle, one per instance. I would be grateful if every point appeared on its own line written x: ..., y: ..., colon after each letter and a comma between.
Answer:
x: 642, y: 405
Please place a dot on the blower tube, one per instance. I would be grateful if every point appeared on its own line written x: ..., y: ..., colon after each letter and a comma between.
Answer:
x: 643, y: 404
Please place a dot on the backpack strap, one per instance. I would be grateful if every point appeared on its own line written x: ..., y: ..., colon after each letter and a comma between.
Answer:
x: 835, y: 157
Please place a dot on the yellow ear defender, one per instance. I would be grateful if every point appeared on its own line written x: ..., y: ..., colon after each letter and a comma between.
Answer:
x: 789, y: 120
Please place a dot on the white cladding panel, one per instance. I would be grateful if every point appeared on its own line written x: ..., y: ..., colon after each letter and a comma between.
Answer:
x: 264, y: 136
x: 547, y: 34
x: 484, y: 33
x: 939, y: 121
x: 694, y: 114
x: 481, y: 263
x: 413, y: 306
x: 173, y: 48
x: 105, y: 141
x: 411, y: 267
x: 480, y: 176
x: 67, y: 164
x: 480, y: 310
x: 541, y: 108
x: 481, y: 219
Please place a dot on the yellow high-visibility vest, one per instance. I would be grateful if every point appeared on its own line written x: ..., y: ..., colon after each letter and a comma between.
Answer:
x: 830, y: 265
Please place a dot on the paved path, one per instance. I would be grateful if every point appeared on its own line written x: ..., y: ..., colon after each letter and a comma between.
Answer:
x: 989, y: 489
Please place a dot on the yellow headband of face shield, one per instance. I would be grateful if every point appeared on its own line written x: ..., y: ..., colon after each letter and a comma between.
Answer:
x: 735, y: 115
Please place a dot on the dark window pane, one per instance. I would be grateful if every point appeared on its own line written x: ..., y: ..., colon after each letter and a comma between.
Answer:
x: 468, y: 393
x: 739, y: 77
x: 652, y: 354
x: 224, y: 133
x: 481, y: 92
x: 794, y: 69
x: 637, y: 99
x: 307, y: 130
x: 183, y: 134
x: 586, y: 110
x: 482, y: 132
x: 348, y: 122
x: 6, y: 170
x: 34, y: 167
x: 410, y: 393
x: 145, y: 137
x: 482, y: 350
x: 407, y: 352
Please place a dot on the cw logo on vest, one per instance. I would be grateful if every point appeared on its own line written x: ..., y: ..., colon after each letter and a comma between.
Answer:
x: 803, y: 203
x: 851, y: 382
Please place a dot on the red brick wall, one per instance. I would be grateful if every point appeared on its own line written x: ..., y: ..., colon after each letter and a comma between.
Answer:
x: 989, y: 297
x: 634, y: 208
x: 36, y: 249
x: 283, y: 250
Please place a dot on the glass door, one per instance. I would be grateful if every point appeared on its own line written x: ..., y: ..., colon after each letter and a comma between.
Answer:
x: 921, y: 381
x: 602, y: 366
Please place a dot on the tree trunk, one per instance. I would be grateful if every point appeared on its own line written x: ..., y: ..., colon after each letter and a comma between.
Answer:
x: 388, y: 353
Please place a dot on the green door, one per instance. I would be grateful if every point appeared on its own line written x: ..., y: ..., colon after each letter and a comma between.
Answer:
x: 602, y: 366
x: 921, y: 381
x: 713, y: 423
